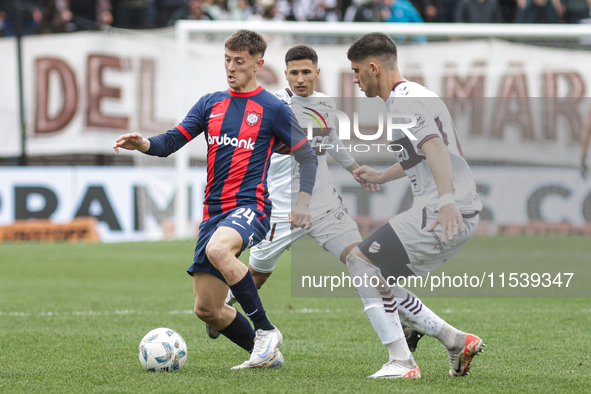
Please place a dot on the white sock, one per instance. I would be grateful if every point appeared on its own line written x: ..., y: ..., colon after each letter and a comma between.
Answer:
x: 418, y: 316
x: 398, y: 350
x: 380, y: 307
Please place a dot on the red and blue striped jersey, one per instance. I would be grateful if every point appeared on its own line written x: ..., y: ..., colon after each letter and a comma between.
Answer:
x: 242, y: 131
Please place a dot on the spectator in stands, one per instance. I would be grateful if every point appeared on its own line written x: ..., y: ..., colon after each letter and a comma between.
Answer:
x: 372, y: 11
x: 216, y: 9
x: 133, y: 14
x: 445, y: 11
x: 285, y: 7
x: 538, y: 11
x: 479, y: 11
x: 351, y: 10
x: 238, y: 10
x: 192, y: 10
x: 50, y: 18
x: 573, y: 11
x: 266, y: 10
x: 428, y: 9
x: 403, y: 11
x: 30, y: 13
x: 165, y: 9
x: 316, y: 10
x: 509, y: 10
x: 84, y: 14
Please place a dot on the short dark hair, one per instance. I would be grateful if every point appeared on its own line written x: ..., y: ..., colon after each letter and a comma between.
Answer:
x: 373, y: 45
x: 247, y: 40
x: 301, y: 52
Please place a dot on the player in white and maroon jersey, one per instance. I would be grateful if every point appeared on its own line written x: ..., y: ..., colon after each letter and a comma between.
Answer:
x: 441, y: 221
x: 332, y: 227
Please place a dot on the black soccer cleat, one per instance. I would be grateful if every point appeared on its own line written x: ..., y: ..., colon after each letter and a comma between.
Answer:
x: 412, y: 337
x: 212, y: 332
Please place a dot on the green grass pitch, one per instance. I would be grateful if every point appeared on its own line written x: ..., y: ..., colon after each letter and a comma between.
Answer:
x: 72, y: 316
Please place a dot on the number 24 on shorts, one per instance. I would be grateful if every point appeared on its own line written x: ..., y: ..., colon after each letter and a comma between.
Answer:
x: 246, y: 213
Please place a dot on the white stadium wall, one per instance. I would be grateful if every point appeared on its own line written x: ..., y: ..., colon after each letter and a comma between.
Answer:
x: 512, y: 196
x: 130, y: 203
x: 84, y: 89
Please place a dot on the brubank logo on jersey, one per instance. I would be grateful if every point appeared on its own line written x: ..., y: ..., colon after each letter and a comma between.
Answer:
x: 225, y: 140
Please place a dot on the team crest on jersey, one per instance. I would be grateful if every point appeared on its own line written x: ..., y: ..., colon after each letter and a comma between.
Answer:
x: 420, y: 120
x: 374, y: 247
x: 252, y: 118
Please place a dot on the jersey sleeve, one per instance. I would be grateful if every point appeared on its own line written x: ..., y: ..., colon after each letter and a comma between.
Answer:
x: 337, y: 150
x: 426, y: 127
x: 163, y: 145
x: 288, y: 130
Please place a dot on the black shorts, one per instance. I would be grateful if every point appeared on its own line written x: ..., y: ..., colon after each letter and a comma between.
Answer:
x: 384, y: 249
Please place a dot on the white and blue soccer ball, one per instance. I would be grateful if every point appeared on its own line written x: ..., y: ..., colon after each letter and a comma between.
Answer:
x: 163, y: 350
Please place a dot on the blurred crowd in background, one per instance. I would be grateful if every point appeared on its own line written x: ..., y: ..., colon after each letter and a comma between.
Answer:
x: 54, y: 16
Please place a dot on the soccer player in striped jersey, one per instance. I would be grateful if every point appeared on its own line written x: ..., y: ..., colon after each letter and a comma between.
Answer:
x: 243, y: 126
x: 333, y: 228
x: 441, y: 221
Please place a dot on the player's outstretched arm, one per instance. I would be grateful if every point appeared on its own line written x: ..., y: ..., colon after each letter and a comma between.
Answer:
x: 370, y: 178
x: 133, y: 141
x: 449, y: 215
x: 370, y: 186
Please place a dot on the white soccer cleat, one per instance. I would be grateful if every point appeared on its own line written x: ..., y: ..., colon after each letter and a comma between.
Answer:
x: 230, y: 299
x: 266, y: 343
x: 460, y: 361
x: 395, y: 369
x: 275, y: 362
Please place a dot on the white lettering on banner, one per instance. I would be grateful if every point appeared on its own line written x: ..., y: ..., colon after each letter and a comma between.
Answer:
x: 225, y: 140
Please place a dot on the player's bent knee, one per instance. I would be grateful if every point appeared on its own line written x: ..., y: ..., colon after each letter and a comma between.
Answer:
x: 207, y: 313
x: 357, y: 252
x: 217, y: 254
x: 354, y: 255
x: 347, y: 251
x: 355, y: 262
x: 259, y: 277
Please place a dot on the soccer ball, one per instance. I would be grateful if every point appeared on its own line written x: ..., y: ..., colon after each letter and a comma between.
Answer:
x: 163, y: 349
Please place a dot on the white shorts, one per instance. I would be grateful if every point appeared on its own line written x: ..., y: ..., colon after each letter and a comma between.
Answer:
x: 425, y: 250
x: 334, y: 231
